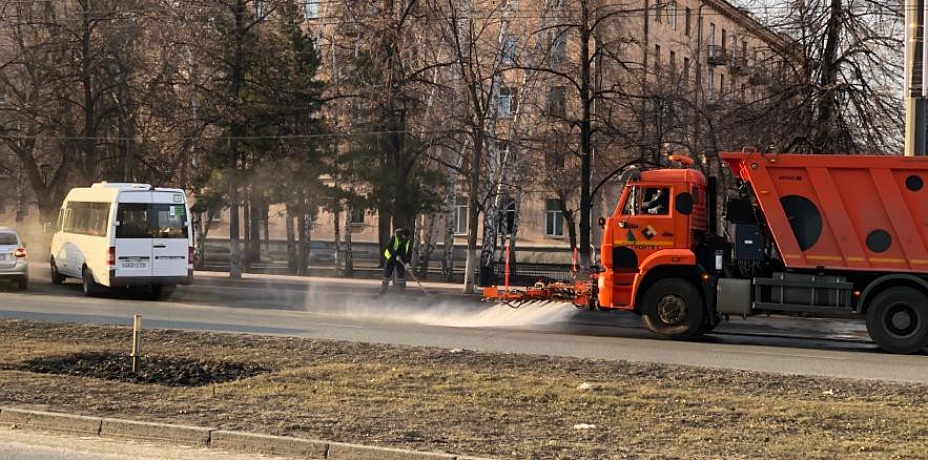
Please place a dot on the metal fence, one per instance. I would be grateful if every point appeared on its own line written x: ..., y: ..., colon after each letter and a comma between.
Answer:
x: 527, y: 274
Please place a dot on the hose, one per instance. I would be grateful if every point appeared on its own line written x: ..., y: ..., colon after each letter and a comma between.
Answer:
x: 416, y: 278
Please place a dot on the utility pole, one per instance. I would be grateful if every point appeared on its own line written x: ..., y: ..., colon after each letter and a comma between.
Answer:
x: 915, y: 88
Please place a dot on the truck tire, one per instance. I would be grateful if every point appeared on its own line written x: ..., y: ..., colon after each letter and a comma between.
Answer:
x: 897, y: 320
x: 673, y: 308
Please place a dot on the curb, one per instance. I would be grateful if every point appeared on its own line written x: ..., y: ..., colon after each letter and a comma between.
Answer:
x: 212, y: 438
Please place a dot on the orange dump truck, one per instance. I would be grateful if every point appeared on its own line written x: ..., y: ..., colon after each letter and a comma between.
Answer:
x: 824, y: 235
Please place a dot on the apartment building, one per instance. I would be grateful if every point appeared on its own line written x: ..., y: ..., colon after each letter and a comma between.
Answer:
x: 657, y: 72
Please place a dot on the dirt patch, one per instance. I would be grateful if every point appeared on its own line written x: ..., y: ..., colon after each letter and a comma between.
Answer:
x: 159, y: 370
x: 463, y: 402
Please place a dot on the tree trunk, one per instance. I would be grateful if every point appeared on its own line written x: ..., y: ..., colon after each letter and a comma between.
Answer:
x: 302, y: 240
x: 291, y: 243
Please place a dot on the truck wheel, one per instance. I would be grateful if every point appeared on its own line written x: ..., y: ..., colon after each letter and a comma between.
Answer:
x: 90, y: 286
x: 673, y: 308
x: 897, y: 320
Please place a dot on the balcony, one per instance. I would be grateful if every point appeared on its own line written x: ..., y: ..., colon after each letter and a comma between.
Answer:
x: 759, y: 76
x: 737, y: 66
x: 716, y: 55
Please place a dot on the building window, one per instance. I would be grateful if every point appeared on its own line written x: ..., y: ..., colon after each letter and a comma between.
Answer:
x: 658, y: 10
x: 687, y: 21
x: 710, y: 83
x: 555, y: 160
x: 673, y: 64
x: 214, y: 215
x: 554, y: 219
x: 559, y: 46
x: 509, y: 49
x: 261, y: 9
x: 672, y: 14
x: 686, y: 72
x: 711, y: 39
x: 733, y: 50
x: 657, y: 59
x: 311, y: 9
x: 721, y: 84
x: 507, y: 102
x: 357, y: 215
x: 460, y: 215
x: 556, y: 107
x: 502, y: 148
x: 744, y: 52
x: 507, y: 219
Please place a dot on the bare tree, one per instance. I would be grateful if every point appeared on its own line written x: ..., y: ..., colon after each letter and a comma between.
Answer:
x: 840, y: 82
x: 86, y: 95
x: 473, y: 38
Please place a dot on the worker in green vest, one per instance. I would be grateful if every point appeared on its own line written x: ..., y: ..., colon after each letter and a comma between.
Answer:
x: 396, y: 255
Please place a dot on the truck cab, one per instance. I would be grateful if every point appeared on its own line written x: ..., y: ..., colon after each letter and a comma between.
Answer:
x: 654, y: 230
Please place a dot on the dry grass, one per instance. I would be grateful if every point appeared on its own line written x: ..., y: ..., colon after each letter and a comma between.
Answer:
x: 493, y: 405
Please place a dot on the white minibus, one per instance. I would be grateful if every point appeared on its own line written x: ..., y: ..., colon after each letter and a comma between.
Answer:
x: 124, y: 235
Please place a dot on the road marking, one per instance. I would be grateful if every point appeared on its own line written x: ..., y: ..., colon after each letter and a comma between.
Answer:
x: 787, y: 355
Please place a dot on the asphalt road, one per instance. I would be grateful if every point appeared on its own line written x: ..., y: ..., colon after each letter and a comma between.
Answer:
x: 349, y: 310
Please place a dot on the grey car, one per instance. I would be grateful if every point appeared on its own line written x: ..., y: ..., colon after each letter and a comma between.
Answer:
x: 14, y: 264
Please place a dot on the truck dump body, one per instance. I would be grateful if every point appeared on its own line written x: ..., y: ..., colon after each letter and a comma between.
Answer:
x: 842, y: 212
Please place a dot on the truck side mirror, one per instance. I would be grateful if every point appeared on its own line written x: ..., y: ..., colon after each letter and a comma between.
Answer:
x: 602, y: 222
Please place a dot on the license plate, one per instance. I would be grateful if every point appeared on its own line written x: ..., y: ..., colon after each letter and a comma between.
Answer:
x: 134, y: 265
x: 4, y: 257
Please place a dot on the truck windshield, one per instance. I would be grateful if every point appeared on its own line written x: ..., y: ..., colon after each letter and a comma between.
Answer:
x: 136, y: 220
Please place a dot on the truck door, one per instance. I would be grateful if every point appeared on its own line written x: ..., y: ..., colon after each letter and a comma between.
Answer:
x: 645, y: 225
x: 133, y: 242
x: 648, y: 224
x: 170, y: 232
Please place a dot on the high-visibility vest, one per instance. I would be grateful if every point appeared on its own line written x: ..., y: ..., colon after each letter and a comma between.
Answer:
x: 395, y: 244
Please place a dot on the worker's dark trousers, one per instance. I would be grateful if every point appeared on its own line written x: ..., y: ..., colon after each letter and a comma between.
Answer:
x: 388, y: 270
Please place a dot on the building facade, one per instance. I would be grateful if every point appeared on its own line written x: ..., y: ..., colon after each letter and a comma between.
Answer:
x: 644, y: 78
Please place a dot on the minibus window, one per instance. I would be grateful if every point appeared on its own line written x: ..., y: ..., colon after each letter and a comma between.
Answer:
x: 151, y: 221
